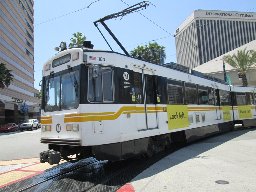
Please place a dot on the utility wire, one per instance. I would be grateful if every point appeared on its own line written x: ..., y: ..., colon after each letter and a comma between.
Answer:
x: 171, y: 35
x: 153, y: 22
x: 67, y: 14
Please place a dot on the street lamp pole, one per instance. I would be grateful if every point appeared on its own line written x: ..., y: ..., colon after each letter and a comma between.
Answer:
x: 224, y: 71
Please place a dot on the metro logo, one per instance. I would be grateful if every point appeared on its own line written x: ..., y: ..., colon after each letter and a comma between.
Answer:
x: 177, y: 116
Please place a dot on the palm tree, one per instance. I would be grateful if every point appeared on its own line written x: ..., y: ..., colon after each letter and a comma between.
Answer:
x: 77, y: 40
x: 242, y: 61
x: 5, y: 76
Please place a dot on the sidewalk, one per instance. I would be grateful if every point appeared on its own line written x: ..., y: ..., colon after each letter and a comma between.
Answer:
x: 222, y: 163
x: 17, y: 170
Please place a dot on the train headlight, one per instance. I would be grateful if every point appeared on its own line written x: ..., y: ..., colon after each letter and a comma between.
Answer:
x: 72, y: 127
x: 46, y: 128
x: 69, y: 127
x: 43, y: 128
x: 75, y: 127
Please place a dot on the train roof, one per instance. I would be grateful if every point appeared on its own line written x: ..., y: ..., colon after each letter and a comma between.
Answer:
x: 170, y: 70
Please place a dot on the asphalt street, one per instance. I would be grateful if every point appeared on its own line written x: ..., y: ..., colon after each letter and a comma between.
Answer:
x: 20, y: 145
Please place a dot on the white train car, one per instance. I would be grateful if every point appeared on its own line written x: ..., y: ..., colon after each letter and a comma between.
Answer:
x: 244, y: 111
x: 111, y: 106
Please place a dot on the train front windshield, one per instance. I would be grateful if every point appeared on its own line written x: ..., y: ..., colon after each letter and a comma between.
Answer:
x: 61, y: 92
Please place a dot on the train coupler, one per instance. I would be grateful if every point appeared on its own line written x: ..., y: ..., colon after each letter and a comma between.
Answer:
x: 50, y: 156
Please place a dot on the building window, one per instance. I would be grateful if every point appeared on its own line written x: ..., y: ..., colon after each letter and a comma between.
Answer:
x: 253, y: 31
x: 219, y: 37
x: 30, y: 37
x: 241, y: 34
x: 29, y: 44
x: 29, y: 26
x: 237, y: 33
x: 29, y: 54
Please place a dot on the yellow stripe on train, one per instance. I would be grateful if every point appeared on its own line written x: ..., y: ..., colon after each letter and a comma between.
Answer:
x: 84, y: 117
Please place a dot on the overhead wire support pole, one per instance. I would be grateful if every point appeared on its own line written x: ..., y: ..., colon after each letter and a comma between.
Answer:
x: 126, y: 11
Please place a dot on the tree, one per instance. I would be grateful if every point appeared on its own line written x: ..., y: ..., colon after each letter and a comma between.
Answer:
x: 39, y: 94
x: 152, y: 53
x: 242, y: 61
x: 5, y: 76
x: 77, y: 40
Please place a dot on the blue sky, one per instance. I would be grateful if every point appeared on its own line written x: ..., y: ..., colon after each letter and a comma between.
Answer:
x: 57, y: 20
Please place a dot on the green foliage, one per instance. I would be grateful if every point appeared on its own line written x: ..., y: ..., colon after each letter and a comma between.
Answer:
x: 152, y: 53
x: 242, y: 61
x: 5, y: 76
x: 77, y: 40
x: 39, y: 94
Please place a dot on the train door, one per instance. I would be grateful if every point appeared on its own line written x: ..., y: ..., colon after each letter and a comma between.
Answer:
x: 146, y: 107
x: 100, y: 90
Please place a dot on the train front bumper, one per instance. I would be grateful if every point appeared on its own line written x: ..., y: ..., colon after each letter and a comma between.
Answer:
x: 71, y: 142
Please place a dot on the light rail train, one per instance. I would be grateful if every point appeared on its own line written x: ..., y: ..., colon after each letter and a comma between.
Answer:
x: 112, y: 106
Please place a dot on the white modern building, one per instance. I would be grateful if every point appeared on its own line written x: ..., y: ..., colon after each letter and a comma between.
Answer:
x: 215, y: 67
x: 207, y: 34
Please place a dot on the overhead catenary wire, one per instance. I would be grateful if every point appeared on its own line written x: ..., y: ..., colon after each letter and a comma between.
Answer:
x: 69, y: 13
x: 153, y: 22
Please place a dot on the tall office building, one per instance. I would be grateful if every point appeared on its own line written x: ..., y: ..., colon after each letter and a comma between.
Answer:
x: 208, y: 34
x: 17, y: 53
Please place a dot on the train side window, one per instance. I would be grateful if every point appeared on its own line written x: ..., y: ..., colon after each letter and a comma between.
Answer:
x: 107, y: 84
x: 100, y: 84
x: 150, y: 90
x: 241, y: 98
x: 175, y: 92
x: 161, y: 93
x: 190, y: 93
x: 248, y: 98
x: 233, y: 98
x: 224, y: 97
x: 212, y: 98
x: 203, y: 97
x: 137, y: 88
x: 217, y: 97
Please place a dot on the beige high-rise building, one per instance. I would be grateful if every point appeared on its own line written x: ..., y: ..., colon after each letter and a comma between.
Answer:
x: 17, y: 53
x: 208, y: 34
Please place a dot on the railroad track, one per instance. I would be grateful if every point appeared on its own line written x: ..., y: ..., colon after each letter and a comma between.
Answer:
x: 86, y: 175
x: 42, y: 181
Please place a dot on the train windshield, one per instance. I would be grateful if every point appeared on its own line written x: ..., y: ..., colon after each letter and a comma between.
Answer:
x: 62, y: 91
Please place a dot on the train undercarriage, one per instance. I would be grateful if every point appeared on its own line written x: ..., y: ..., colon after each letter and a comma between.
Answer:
x: 139, y: 147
